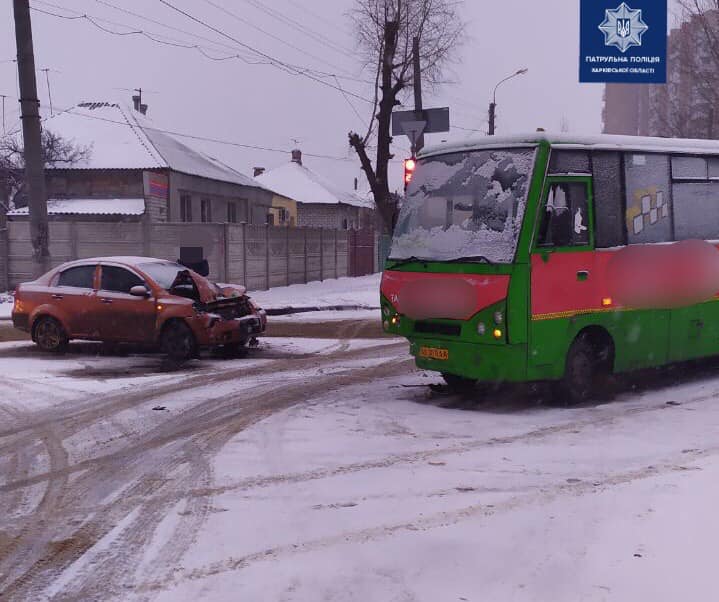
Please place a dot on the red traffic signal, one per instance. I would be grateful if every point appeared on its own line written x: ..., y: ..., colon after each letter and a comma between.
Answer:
x: 409, y: 166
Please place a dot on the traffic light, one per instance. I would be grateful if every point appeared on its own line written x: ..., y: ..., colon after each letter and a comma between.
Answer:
x: 409, y: 166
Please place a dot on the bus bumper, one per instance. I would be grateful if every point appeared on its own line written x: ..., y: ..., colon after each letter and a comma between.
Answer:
x: 491, y: 363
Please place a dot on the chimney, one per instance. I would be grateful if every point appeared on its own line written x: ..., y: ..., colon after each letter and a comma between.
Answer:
x: 297, y: 156
x: 143, y: 109
x: 136, y: 102
x: 258, y: 171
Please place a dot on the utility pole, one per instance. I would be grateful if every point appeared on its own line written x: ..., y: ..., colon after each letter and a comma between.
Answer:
x: 492, y: 117
x: 32, y: 137
x: 418, y: 144
x: 4, y: 130
x: 493, y: 104
x: 49, y: 92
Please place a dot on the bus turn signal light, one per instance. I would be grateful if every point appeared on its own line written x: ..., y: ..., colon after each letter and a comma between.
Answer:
x: 497, y: 333
x: 606, y: 302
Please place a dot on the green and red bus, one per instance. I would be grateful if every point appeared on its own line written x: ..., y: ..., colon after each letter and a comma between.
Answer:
x: 557, y: 258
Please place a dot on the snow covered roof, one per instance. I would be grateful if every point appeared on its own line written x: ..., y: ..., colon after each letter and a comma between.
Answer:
x: 569, y: 141
x: 89, y: 207
x: 121, y: 138
x: 131, y: 260
x: 295, y: 181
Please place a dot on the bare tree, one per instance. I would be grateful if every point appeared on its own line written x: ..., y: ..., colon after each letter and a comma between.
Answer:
x: 385, y: 31
x: 693, y: 86
x: 57, y: 152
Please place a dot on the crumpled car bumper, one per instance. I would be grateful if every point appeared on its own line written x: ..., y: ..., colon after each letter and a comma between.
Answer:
x: 217, y: 331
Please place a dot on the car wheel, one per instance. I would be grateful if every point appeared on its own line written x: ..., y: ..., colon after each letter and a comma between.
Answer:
x: 50, y: 335
x: 178, y: 342
x: 459, y: 384
x: 585, y: 373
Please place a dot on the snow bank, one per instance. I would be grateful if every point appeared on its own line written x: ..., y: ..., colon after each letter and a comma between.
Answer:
x: 361, y: 291
x: 6, y: 303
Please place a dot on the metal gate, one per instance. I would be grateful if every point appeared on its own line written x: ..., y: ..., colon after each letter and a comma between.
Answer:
x: 361, y: 251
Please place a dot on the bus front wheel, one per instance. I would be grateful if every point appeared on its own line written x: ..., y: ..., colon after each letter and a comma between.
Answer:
x: 587, y: 370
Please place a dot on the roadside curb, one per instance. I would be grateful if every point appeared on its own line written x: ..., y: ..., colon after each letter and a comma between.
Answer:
x: 286, y: 311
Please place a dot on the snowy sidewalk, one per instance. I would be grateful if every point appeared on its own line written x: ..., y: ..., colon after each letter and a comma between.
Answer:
x: 352, y: 293
x: 6, y: 303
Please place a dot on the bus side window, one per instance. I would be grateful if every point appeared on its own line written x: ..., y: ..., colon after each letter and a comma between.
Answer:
x: 565, y: 222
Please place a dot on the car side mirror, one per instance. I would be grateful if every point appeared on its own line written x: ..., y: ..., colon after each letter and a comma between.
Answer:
x: 139, y: 290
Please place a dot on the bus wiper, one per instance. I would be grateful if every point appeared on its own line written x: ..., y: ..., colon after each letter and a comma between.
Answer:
x: 401, y: 262
x: 472, y: 259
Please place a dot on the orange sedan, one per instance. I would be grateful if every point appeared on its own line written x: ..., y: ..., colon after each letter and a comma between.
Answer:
x: 135, y: 300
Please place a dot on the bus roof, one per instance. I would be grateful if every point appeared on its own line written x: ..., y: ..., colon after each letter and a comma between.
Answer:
x: 580, y: 142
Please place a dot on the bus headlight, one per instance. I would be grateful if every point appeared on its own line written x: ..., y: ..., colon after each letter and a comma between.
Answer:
x: 394, y: 320
x: 386, y: 311
x: 498, y: 317
x: 481, y: 328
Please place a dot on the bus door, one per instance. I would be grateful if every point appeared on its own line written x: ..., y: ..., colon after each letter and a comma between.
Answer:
x: 563, y: 282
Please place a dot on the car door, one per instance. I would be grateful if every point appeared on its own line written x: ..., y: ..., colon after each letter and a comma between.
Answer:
x: 122, y: 316
x: 73, y: 296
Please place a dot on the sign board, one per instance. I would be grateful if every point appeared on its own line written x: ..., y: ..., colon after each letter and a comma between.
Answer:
x: 623, y: 42
x: 437, y: 120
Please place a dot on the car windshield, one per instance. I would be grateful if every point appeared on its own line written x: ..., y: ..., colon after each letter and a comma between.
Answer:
x: 164, y: 274
x: 465, y: 205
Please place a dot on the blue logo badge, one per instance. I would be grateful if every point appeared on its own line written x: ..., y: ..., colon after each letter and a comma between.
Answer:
x: 625, y: 43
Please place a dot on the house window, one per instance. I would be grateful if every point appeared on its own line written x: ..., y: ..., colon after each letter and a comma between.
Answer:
x: 282, y: 215
x: 345, y: 225
x: 205, y: 211
x: 232, y: 213
x: 185, y: 208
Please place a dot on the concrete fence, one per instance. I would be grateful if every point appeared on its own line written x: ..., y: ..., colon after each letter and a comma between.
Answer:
x: 259, y: 257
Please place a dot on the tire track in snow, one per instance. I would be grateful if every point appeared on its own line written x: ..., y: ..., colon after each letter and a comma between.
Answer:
x: 438, y: 520
x: 211, y: 424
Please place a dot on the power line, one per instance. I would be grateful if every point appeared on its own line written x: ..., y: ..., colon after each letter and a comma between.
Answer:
x: 273, y: 36
x: 153, y: 37
x: 174, y: 42
x: 275, y: 62
x: 166, y: 26
x: 318, y: 37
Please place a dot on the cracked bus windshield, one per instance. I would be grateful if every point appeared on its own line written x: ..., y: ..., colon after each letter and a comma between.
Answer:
x: 468, y: 204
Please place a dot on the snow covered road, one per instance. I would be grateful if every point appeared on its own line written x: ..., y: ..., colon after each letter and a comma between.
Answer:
x: 328, y: 470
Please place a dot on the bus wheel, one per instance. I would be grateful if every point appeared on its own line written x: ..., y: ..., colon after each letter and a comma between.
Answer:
x: 586, y: 371
x: 459, y: 384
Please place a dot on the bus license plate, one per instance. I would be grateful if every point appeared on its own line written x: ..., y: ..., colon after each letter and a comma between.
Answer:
x: 434, y: 353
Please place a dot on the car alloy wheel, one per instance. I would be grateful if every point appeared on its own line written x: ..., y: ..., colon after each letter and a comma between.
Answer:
x: 50, y: 335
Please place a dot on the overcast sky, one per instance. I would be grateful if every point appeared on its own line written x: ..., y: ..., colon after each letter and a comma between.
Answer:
x: 265, y: 106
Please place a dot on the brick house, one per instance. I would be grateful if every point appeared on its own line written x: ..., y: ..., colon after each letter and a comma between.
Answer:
x: 318, y: 203
x: 137, y: 172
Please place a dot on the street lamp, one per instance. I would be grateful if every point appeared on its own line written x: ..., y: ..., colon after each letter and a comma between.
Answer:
x: 493, y: 104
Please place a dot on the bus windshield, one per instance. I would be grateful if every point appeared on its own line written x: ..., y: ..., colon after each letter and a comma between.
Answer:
x: 465, y: 205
